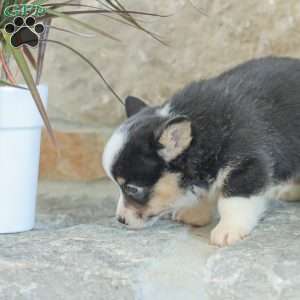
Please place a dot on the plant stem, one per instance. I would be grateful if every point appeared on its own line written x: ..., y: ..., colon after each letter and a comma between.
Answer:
x: 6, y: 57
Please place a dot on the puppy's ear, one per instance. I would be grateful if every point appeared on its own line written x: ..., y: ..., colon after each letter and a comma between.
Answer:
x: 133, y: 105
x: 174, y: 137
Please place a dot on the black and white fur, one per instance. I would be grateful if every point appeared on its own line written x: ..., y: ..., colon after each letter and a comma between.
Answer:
x: 233, y: 140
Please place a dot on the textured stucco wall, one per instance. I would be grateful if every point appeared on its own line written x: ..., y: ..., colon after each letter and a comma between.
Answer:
x: 199, y: 47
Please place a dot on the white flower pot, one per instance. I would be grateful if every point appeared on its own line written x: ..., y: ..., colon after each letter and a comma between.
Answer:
x: 20, y: 135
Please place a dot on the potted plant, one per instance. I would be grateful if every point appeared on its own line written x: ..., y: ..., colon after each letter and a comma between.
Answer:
x: 25, y: 24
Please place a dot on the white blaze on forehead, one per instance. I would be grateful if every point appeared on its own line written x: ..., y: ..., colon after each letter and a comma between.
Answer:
x: 113, y: 149
x: 164, y: 111
x: 121, y: 206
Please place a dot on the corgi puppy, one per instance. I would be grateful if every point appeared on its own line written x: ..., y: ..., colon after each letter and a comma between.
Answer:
x: 230, y: 142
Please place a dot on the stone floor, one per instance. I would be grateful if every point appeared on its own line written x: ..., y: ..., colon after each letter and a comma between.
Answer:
x: 78, y: 251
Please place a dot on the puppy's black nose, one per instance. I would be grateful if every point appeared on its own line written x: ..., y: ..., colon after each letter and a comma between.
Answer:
x: 122, y: 220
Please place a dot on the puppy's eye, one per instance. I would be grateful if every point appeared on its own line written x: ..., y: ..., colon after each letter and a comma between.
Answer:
x: 136, y: 193
x: 131, y: 189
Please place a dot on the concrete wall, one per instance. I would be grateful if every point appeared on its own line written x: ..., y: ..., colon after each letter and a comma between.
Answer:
x: 84, y: 112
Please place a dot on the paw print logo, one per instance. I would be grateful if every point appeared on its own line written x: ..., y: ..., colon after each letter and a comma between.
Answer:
x: 24, y: 32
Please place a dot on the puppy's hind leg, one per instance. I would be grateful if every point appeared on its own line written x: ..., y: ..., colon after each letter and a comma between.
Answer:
x: 198, y: 215
x: 290, y: 191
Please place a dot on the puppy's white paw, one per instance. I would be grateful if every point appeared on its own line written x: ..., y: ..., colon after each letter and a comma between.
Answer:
x: 226, y: 233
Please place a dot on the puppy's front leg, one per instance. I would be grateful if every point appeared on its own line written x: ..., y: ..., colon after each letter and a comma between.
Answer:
x: 238, y: 216
x: 241, y: 205
x: 198, y: 215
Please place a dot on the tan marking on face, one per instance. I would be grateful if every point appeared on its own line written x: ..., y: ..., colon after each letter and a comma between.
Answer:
x: 120, y: 180
x: 165, y: 193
